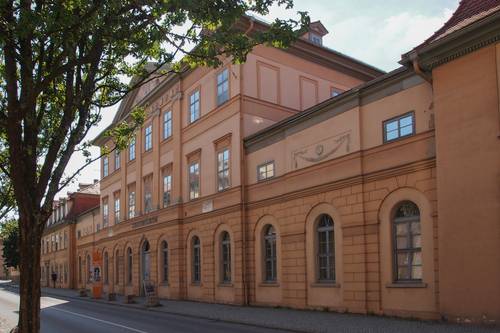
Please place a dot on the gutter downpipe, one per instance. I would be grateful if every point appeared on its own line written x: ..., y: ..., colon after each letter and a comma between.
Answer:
x: 243, y: 182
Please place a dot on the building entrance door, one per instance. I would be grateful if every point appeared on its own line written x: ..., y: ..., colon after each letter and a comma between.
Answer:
x: 146, y: 264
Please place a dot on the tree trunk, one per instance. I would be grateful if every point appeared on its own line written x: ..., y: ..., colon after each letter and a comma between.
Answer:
x: 29, y: 283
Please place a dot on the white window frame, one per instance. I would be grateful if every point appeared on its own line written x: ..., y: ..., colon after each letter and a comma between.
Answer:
x: 194, y: 187
x: 268, y: 172
x: 223, y: 87
x: 194, y: 106
x: 167, y: 124
x: 148, y: 137
x: 223, y: 169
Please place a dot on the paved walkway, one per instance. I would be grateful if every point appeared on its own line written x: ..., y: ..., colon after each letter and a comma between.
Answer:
x: 294, y: 320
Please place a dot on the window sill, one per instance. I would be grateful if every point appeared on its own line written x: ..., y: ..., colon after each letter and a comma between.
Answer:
x: 325, y: 285
x: 164, y: 284
x: 406, y: 285
x: 269, y: 284
x: 225, y: 285
x: 167, y: 139
x: 224, y: 189
x: 195, y: 284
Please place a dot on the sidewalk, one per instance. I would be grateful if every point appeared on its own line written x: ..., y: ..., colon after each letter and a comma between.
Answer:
x: 293, y: 320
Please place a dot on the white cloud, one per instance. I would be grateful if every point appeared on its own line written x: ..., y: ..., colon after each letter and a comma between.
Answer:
x: 381, y: 42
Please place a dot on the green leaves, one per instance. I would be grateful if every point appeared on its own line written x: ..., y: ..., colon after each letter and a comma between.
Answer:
x: 122, y: 133
x: 9, y: 233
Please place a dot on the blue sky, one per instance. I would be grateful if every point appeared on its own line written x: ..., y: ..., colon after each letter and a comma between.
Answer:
x: 376, y: 32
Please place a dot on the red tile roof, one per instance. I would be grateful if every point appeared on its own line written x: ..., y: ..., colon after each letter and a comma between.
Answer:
x: 468, y: 12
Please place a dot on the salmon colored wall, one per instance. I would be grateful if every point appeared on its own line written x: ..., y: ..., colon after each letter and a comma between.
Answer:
x: 417, y: 99
x: 468, y: 164
x: 281, y: 78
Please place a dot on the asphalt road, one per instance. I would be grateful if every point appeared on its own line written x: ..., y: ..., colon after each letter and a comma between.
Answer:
x: 61, y: 315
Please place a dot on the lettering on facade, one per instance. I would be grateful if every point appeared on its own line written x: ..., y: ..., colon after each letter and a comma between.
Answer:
x: 322, y: 150
x: 145, y: 222
x: 207, y: 206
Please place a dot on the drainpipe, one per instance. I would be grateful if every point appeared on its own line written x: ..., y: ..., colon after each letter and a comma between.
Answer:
x: 243, y: 197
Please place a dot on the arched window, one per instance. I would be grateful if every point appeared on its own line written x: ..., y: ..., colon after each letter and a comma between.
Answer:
x: 106, y: 268
x: 407, y: 247
x: 129, y: 265
x: 196, y: 260
x: 164, y: 256
x: 226, y: 257
x: 270, y: 254
x: 117, y: 268
x: 89, y: 272
x: 326, y: 248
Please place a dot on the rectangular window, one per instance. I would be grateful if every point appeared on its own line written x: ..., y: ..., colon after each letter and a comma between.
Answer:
x: 194, y: 106
x: 117, y: 159
x: 148, y: 194
x: 167, y: 190
x: 131, y: 204
x: 222, y: 87
x: 148, y: 138
x: 105, y: 166
x: 194, y: 180
x: 265, y: 171
x: 167, y: 125
x: 399, y: 127
x: 131, y: 150
x: 105, y: 214
x: 117, y: 208
x: 223, y: 178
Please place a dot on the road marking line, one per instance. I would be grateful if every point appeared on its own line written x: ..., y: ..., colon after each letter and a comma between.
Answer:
x: 100, y: 320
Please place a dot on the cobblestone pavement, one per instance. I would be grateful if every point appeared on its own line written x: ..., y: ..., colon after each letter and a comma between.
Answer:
x: 288, y: 319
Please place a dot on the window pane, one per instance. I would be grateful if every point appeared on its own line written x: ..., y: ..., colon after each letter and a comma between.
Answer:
x: 402, y: 242
x: 391, y: 126
x: 406, y: 121
x: 407, y: 130
x: 403, y: 259
x: 391, y: 135
x: 403, y: 273
x: 417, y: 258
x: 401, y: 229
x: 417, y: 241
x: 416, y: 272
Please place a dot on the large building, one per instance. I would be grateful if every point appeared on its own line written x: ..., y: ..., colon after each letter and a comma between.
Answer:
x: 305, y: 178
x: 61, y: 234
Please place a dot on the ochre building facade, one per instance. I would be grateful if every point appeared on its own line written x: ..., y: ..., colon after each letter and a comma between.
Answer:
x: 304, y: 178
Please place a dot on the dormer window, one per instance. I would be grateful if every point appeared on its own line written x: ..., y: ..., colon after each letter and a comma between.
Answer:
x: 315, y: 38
x: 315, y: 33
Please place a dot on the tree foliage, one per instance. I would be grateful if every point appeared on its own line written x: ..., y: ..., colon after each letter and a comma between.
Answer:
x: 7, y: 201
x: 61, y: 62
x: 9, y: 234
